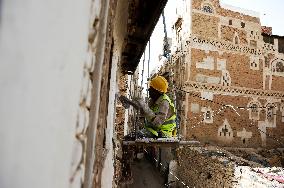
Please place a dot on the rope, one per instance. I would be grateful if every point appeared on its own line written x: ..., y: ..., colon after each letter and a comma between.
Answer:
x: 149, y: 66
x: 142, y: 74
x: 166, y: 43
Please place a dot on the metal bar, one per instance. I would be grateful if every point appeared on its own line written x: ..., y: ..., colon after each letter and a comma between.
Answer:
x: 148, y: 68
x: 162, y: 143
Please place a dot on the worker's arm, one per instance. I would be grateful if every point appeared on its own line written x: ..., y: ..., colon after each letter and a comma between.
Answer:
x: 154, y: 119
x: 158, y: 118
x: 161, y: 116
x: 127, y: 102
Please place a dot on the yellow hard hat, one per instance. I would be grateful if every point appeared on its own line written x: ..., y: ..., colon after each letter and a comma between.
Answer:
x: 159, y: 83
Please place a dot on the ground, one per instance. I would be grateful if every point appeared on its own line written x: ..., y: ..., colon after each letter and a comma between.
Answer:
x: 146, y: 175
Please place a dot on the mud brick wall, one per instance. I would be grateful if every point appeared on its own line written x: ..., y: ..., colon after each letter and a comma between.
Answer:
x: 196, y: 4
x: 228, y: 34
x: 210, y: 132
x: 198, y: 56
x: 204, y: 25
x: 277, y: 83
x: 238, y: 66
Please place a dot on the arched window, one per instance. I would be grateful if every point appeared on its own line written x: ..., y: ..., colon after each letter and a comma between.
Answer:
x: 277, y: 67
x: 254, y: 109
x: 236, y: 40
x: 207, y: 8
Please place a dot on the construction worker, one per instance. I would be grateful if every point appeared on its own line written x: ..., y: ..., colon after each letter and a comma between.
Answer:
x: 160, y: 113
x: 160, y: 117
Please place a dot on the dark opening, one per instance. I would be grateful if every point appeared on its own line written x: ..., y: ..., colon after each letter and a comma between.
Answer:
x: 230, y: 22
x: 268, y: 39
x: 281, y: 45
x: 209, y: 176
x: 243, y: 24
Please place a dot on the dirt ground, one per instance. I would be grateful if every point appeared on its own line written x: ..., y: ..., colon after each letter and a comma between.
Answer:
x: 146, y: 175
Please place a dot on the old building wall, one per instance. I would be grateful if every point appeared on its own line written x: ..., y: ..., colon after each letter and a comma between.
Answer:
x: 206, y: 122
x: 209, y: 66
x: 226, y: 62
x: 43, y: 53
x: 204, y: 25
x: 197, y: 4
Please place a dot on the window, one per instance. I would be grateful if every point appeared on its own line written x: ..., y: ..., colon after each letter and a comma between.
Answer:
x: 243, y: 24
x: 230, y: 22
x: 266, y: 61
x: 268, y: 39
x: 271, y: 113
x: 254, y: 63
x: 282, y: 111
x: 278, y: 66
x: 254, y: 109
x: 207, y: 8
x: 253, y: 43
x: 236, y: 40
x: 281, y: 45
x: 225, y: 79
x: 207, y: 114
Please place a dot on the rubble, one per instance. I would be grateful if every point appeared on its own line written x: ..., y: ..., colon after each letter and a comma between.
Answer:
x: 217, y: 167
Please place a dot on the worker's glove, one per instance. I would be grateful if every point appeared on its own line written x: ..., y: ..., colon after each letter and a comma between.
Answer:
x: 145, y: 108
x: 127, y: 102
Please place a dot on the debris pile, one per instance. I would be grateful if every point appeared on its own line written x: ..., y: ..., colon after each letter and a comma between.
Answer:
x: 216, y: 167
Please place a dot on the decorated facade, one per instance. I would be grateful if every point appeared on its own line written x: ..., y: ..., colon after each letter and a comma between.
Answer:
x: 229, y: 75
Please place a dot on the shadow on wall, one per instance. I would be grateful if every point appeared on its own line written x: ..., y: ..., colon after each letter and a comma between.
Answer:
x: 0, y: 11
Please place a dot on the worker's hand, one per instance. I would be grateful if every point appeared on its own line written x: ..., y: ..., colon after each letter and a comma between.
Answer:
x: 145, y: 108
x: 127, y: 102
x: 140, y: 102
x: 124, y: 102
